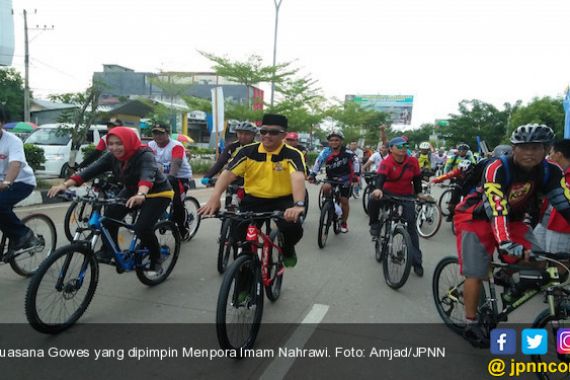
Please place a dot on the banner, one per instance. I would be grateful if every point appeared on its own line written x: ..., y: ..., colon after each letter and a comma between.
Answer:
x: 218, y: 109
x: 6, y: 33
x: 398, y: 106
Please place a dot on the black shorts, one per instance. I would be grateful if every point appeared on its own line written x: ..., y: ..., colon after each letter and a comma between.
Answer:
x: 345, y: 190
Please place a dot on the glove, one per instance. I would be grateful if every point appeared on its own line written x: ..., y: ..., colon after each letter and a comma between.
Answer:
x: 205, y: 181
x: 512, y: 249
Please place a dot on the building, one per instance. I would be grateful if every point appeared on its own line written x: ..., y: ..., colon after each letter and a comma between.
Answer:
x: 46, y: 112
x: 6, y: 33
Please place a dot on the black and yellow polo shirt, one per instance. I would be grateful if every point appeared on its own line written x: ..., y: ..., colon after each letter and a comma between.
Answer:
x: 267, y: 174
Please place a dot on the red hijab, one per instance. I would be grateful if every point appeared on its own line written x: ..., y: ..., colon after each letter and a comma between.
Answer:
x: 130, y: 141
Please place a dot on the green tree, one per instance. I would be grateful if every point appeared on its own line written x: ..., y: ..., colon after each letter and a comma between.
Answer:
x: 358, y: 122
x: 417, y: 136
x: 12, y: 93
x: 546, y: 110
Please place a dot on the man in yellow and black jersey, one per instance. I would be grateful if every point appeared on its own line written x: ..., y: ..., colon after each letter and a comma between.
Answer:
x: 274, y: 179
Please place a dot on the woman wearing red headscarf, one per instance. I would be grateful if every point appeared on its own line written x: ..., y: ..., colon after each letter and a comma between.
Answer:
x: 145, y: 186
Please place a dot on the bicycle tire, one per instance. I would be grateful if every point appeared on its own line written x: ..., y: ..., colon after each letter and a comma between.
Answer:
x: 435, y: 220
x: 366, y: 198
x: 443, y: 202
x: 452, y: 228
x: 306, y: 204
x: 69, y: 215
x: 169, y: 255
x: 225, y: 246
x: 322, y: 198
x: 324, y: 224
x: 244, y: 269
x: 70, y: 288
x: 542, y: 322
x: 193, y: 219
x: 26, y: 264
x: 395, y: 257
x: 448, y: 296
x: 275, y: 267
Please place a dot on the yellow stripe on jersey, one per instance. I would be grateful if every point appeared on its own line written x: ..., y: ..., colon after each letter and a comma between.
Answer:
x: 267, y: 174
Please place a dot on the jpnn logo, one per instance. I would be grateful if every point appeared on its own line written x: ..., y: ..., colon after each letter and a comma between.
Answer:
x: 534, y: 341
x: 503, y: 341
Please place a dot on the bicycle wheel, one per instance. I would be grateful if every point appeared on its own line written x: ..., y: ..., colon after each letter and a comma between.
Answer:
x: 193, y: 219
x: 552, y: 323
x: 77, y: 216
x: 443, y: 202
x: 275, y: 267
x: 28, y: 261
x: 325, y: 223
x: 365, y: 198
x: 225, y: 246
x: 62, y: 288
x: 306, y: 204
x: 322, y: 198
x: 428, y: 220
x: 169, y: 241
x: 380, y: 247
x: 398, y: 260
x: 447, y: 288
x: 453, y: 228
x: 240, y: 304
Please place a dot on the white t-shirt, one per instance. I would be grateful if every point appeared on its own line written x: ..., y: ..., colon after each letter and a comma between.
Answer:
x: 165, y: 154
x: 12, y: 149
x: 376, y: 159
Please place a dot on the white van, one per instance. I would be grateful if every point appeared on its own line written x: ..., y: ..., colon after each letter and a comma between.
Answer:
x: 57, y: 146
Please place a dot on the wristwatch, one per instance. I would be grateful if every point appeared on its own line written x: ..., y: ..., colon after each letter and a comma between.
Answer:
x: 141, y: 193
x: 300, y: 204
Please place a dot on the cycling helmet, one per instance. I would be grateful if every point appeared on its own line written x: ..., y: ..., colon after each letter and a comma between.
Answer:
x: 464, y: 165
x: 502, y: 150
x: 463, y: 147
x: 425, y: 145
x: 337, y: 133
x: 246, y: 126
x: 532, y: 133
x: 292, y: 136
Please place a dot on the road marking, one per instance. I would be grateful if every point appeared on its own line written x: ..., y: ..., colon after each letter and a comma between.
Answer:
x: 281, y: 365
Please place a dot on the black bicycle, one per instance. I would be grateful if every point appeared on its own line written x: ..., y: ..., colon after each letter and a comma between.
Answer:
x: 369, y: 179
x: 445, y: 198
x: 26, y: 261
x: 64, y: 285
x: 226, y: 245
x: 545, y: 277
x: 393, y: 245
x: 330, y: 212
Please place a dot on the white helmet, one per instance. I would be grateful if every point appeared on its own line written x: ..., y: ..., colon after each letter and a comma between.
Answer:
x: 425, y: 145
x: 336, y: 132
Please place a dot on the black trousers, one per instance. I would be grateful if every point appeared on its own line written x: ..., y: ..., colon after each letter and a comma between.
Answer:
x: 150, y: 211
x: 409, y: 214
x: 179, y: 185
x: 292, y: 232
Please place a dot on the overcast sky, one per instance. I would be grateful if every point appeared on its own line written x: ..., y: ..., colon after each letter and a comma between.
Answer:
x: 440, y: 51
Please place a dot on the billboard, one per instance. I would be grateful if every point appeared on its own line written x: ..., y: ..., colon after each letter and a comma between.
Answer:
x: 6, y: 33
x: 398, y: 106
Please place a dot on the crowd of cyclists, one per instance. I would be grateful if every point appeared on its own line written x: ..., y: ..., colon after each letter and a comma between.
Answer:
x: 498, y: 201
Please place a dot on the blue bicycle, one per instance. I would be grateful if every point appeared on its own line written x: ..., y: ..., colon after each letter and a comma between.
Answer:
x: 64, y: 284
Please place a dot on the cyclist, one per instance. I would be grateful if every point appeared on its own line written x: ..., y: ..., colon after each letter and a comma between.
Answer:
x: 171, y: 155
x: 399, y: 174
x: 555, y: 231
x: 341, y: 165
x: 376, y: 158
x: 463, y: 153
x: 439, y: 159
x: 425, y: 159
x: 101, y: 145
x: 245, y: 132
x: 292, y: 138
x: 493, y: 215
x: 274, y: 179
x: 17, y: 181
x: 144, y: 185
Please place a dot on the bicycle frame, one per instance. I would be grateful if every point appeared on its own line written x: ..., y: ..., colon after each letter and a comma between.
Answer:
x: 261, y: 243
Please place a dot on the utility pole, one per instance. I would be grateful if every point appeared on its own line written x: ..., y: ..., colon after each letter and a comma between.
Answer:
x: 27, y: 63
x: 277, y: 6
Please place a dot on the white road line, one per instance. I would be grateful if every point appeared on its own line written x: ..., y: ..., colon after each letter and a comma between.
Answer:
x: 281, y: 365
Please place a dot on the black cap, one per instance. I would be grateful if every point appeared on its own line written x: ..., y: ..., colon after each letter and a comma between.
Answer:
x: 160, y: 128
x: 274, y: 119
x: 114, y: 122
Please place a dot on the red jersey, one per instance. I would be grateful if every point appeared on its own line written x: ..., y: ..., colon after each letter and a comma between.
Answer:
x: 398, y: 177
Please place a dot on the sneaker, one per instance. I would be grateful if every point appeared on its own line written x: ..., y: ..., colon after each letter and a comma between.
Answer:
x: 289, y: 257
x: 375, y: 229
x: 29, y: 240
x: 184, y: 234
x: 344, y: 227
x: 476, y: 335
x: 419, y: 270
x: 104, y: 256
x: 449, y: 218
x: 154, y: 269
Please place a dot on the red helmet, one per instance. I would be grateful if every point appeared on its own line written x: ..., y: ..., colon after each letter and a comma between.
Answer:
x: 292, y: 136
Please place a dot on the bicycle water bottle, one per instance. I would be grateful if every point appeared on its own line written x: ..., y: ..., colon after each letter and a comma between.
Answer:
x: 338, y: 210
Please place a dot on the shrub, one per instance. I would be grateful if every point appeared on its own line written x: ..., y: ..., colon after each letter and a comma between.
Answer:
x: 34, y: 156
x: 311, y: 158
x: 200, y: 166
x: 198, y: 150
x: 88, y: 149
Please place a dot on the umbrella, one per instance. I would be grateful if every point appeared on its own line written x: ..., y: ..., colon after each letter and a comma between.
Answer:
x: 24, y: 127
x: 10, y: 125
x: 182, y: 138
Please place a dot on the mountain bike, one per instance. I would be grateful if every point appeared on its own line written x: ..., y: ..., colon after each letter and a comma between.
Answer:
x: 259, y: 266
x: 393, y: 243
x: 428, y: 214
x: 226, y: 245
x: 545, y: 278
x: 369, y: 179
x: 65, y: 283
x: 26, y: 261
x: 331, y: 212
x: 445, y: 197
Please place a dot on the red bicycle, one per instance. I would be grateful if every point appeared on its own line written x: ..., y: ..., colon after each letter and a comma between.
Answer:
x: 258, y: 266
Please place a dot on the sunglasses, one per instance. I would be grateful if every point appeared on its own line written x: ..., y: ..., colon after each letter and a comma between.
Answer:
x: 270, y: 132
x: 158, y: 133
x: 401, y: 146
